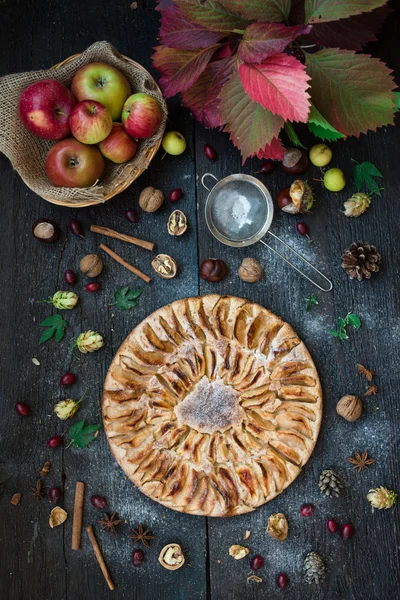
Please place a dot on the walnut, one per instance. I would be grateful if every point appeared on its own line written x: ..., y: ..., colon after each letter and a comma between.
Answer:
x: 57, y: 516
x: 250, y: 270
x: 151, y: 199
x: 349, y: 407
x: 165, y: 266
x: 278, y: 527
x: 171, y: 557
x: 177, y: 223
x: 238, y: 552
x: 91, y: 265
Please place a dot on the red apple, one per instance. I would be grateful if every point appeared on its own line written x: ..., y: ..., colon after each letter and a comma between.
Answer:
x: 103, y: 83
x: 72, y: 164
x: 118, y: 146
x: 90, y: 122
x: 141, y: 115
x: 44, y: 108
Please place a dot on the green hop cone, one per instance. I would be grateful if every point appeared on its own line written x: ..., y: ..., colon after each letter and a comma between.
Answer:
x: 357, y: 204
x: 381, y: 498
x: 89, y: 341
x: 66, y: 408
x: 64, y: 300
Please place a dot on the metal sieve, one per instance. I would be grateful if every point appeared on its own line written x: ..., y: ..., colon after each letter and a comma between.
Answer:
x: 239, y: 212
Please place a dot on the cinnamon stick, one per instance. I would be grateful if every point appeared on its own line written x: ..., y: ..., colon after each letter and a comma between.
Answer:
x: 99, y: 557
x: 78, y: 515
x: 125, y: 264
x: 121, y: 236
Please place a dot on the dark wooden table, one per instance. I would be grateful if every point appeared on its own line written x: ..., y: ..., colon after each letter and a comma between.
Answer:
x: 37, y: 562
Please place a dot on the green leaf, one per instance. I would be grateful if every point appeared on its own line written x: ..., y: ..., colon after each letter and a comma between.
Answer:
x: 46, y: 335
x: 353, y: 320
x: 322, y: 11
x: 212, y: 15
x: 56, y: 326
x: 80, y: 435
x: 320, y: 127
x: 364, y: 174
x: 397, y: 99
x: 311, y: 301
x: 272, y: 11
x: 292, y: 135
x: 353, y: 91
x: 125, y: 299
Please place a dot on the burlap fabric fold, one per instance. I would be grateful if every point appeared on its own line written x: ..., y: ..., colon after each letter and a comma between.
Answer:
x: 27, y: 152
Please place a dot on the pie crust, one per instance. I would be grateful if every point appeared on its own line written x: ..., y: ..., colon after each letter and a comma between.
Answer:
x: 212, y: 405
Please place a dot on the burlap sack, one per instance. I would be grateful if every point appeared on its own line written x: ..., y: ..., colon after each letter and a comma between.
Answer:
x: 27, y: 152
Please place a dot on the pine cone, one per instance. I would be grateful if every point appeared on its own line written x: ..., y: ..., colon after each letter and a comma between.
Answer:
x: 381, y: 498
x: 330, y: 483
x: 357, y: 204
x: 314, y: 568
x: 361, y: 260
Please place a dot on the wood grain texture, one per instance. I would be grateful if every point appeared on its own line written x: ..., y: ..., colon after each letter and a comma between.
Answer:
x: 37, y: 562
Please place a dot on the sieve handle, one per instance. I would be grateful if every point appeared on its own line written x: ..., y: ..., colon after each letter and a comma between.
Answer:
x: 208, y: 175
x: 330, y: 284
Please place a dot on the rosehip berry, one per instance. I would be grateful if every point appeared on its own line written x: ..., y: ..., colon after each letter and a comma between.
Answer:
x: 282, y: 580
x: 93, y: 287
x: 332, y: 525
x: 347, y: 531
x: 75, y: 227
x: 68, y: 379
x: 267, y: 166
x: 210, y: 152
x: 302, y: 228
x: 69, y: 277
x: 175, y: 194
x: 257, y: 562
x: 55, y: 441
x: 307, y: 510
x: 22, y: 409
x: 98, y: 502
x: 137, y: 557
x: 131, y: 215
x: 55, y: 495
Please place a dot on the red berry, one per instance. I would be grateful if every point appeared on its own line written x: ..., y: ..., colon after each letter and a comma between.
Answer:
x: 267, y: 166
x: 55, y: 441
x: 55, y: 494
x: 98, y: 502
x: 22, y: 409
x: 331, y: 525
x: 307, y: 510
x: 69, y: 277
x: 282, y: 580
x: 257, y: 562
x: 131, y: 215
x: 302, y: 228
x: 137, y: 557
x: 175, y: 194
x: 75, y: 227
x: 93, y: 287
x: 210, y: 152
x: 347, y: 531
x: 68, y: 379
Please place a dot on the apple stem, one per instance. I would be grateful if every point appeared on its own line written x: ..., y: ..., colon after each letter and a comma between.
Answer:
x: 164, y: 155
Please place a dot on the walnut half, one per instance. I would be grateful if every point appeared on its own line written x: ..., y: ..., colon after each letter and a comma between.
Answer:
x: 278, y: 527
x: 237, y: 552
x: 171, y: 557
x: 177, y: 223
x: 165, y: 266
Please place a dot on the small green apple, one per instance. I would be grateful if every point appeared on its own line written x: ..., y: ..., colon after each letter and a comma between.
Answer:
x: 320, y: 155
x: 174, y: 143
x: 334, y: 180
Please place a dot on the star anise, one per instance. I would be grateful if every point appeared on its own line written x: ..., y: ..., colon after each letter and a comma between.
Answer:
x: 361, y: 461
x: 141, y: 534
x: 38, y: 491
x: 110, y: 522
x: 371, y: 390
x: 368, y: 373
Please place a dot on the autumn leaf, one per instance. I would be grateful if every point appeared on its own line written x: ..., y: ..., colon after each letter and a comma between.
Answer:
x: 212, y: 15
x: 275, y: 150
x: 250, y: 126
x: 260, y: 10
x: 179, y: 67
x: 320, y: 11
x: 279, y: 84
x: 353, y: 91
x: 178, y: 32
x: 320, y: 127
x: 264, y: 39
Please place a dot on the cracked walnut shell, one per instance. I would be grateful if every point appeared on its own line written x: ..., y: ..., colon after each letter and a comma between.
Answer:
x: 177, y: 223
x: 165, y: 266
x: 278, y: 527
x: 349, y: 407
x: 57, y: 516
x: 171, y: 557
x: 151, y: 199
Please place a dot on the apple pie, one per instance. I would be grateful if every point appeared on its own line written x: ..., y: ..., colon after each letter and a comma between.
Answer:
x: 212, y: 405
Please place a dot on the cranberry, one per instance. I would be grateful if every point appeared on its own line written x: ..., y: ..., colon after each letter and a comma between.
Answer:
x: 22, y: 409
x: 257, y: 562
x: 75, y: 227
x: 137, y: 557
x: 55, y: 441
x: 267, y: 166
x: 69, y: 277
x: 98, y: 502
x: 302, y: 228
x: 282, y: 580
x: 175, y: 194
x: 331, y: 525
x: 131, y: 215
x: 55, y: 495
x: 307, y: 510
x: 93, y: 287
x: 210, y: 152
x: 347, y: 531
x: 68, y: 379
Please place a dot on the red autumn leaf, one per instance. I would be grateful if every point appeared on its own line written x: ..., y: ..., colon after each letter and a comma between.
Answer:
x: 274, y: 150
x: 212, y: 15
x: 178, y: 32
x: 250, y: 126
x: 274, y: 11
x: 352, y: 91
x: 279, y: 84
x: 179, y: 67
x: 322, y: 11
x: 212, y: 116
x: 261, y: 40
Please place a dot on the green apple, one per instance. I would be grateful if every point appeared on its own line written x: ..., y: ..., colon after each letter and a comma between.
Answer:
x: 174, y: 143
x: 103, y: 83
x: 334, y: 180
x: 320, y: 155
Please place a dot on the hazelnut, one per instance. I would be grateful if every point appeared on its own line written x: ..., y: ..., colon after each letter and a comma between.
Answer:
x: 151, y: 199
x: 278, y: 527
x: 171, y: 557
x: 295, y: 161
x: 213, y: 269
x: 349, y: 407
x: 250, y: 270
x: 91, y: 265
x: 238, y: 552
x: 165, y: 266
x: 177, y: 223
